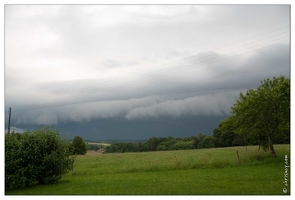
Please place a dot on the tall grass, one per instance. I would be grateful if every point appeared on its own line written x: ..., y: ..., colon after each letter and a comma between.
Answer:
x: 174, y: 160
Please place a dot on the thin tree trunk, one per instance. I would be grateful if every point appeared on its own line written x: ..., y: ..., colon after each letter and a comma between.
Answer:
x: 273, y: 152
x: 238, y: 157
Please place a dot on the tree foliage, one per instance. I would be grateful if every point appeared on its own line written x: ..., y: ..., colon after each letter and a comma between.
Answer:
x: 223, y: 139
x: 40, y: 156
x: 78, y: 146
x: 263, y: 113
x: 207, y: 142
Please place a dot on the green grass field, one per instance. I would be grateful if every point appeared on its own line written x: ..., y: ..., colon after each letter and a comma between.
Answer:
x: 200, y: 171
x: 100, y: 143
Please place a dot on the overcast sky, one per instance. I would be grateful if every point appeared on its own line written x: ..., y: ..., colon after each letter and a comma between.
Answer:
x: 77, y: 63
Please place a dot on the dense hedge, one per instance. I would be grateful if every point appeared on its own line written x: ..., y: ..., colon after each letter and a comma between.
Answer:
x: 40, y: 156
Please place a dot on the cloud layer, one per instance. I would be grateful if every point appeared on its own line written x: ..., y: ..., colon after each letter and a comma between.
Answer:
x: 79, y: 63
x: 217, y: 104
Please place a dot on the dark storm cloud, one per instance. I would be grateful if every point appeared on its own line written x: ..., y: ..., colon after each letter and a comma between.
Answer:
x: 180, y: 91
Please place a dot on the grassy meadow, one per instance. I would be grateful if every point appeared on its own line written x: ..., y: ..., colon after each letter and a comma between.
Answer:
x: 197, y: 172
x: 99, y: 143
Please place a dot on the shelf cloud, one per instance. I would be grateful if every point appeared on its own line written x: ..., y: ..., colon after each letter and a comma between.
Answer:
x: 81, y: 63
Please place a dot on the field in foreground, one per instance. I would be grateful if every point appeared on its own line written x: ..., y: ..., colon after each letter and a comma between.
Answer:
x: 201, y: 171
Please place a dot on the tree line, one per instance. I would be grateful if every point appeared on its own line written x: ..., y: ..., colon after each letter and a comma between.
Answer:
x: 218, y: 139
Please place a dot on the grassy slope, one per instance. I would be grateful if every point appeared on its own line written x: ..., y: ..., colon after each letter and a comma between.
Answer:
x: 208, y: 171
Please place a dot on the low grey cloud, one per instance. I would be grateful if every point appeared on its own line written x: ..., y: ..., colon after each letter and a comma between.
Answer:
x: 84, y: 111
x: 217, y: 104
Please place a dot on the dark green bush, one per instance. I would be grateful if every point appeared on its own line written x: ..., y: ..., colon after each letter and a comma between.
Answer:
x: 14, y: 173
x: 78, y: 146
x: 40, y: 156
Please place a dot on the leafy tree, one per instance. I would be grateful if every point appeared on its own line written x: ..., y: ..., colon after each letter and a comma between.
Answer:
x: 167, y: 144
x: 38, y: 156
x: 78, y: 146
x: 283, y: 138
x: 241, y: 140
x: 151, y: 144
x: 196, y: 141
x: 139, y: 147
x: 129, y: 147
x: 223, y: 138
x: 207, y: 142
x: 263, y: 113
x: 201, y: 137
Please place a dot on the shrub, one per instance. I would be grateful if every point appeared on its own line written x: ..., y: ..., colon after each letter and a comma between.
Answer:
x: 39, y: 156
